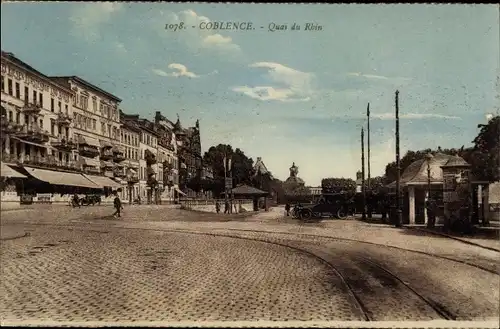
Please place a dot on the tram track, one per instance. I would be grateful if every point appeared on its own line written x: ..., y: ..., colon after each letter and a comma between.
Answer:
x: 357, y: 296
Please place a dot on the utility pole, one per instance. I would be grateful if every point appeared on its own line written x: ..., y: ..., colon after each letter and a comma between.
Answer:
x: 363, y: 188
x: 399, y: 212
x: 369, y: 172
x: 225, y: 180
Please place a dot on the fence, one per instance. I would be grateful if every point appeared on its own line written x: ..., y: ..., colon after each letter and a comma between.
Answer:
x: 191, y: 204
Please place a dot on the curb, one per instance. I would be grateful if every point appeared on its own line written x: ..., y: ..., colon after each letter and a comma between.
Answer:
x: 453, y: 237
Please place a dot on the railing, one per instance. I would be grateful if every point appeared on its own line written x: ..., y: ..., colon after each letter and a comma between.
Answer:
x: 208, y: 202
x: 49, y: 162
x: 66, y: 143
x: 30, y: 108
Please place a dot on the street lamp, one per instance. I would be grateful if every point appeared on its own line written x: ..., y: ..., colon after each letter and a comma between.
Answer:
x: 429, y: 205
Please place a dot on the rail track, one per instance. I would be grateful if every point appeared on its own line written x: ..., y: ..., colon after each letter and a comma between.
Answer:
x: 355, y: 297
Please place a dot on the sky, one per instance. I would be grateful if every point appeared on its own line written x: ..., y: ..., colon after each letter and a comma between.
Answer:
x: 283, y: 95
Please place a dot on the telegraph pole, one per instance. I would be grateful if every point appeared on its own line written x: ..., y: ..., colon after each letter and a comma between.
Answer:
x: 363, y: 189
x: 369, y: 172
x: 399, y: 212
x: 368, y: 117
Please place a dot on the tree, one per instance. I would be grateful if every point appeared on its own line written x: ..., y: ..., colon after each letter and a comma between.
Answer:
x: 242, y: 166
x: 376, y: 184
x: 338, y: 185
x: 484, y: 159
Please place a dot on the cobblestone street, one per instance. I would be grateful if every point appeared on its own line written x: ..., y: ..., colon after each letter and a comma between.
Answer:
x: 165, y: 264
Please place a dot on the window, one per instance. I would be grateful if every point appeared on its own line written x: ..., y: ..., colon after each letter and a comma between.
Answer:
x: 84, y: 102
x: 94, y: 124
x: 18, y: 117
x: 26, y: 94
x: 94, y: 105
x: 67, y: 132
x: 11, y: 115
x: 52, y: 127
x: 103, y: 128
x: 26, y: 119
x: 66, y: 108
x: 41, y: 123
x: 34, y: 97
x: 59, y: 106
x: 9, y: 86
x: 18, y: 90
x: 3, y: 83
x: 109, y: 130
x: 52, y: 105
x: 40, y: 98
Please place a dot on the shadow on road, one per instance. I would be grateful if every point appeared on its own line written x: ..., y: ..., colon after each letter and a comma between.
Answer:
x: 477, y: 233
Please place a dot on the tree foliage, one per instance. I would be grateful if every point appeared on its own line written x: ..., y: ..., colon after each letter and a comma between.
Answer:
x: 484, y: 157
x: 338, y: 185
x: 241, y: 166
x: 376, y: 184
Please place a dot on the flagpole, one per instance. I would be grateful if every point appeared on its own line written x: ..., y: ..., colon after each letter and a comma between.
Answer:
x: 363, y: 188
x: 399, y: 212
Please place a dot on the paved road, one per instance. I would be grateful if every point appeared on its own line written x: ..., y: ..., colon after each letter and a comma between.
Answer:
x: 166, y: 264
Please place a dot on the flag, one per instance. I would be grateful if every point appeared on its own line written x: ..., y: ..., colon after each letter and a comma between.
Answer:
x: 368, y: 110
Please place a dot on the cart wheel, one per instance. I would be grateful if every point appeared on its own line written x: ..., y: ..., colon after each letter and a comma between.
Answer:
x: 341, y: 214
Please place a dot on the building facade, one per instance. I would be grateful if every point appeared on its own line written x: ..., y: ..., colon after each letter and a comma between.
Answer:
x: 96, y: 126
x: 39, y: 117
x: 67, y: 124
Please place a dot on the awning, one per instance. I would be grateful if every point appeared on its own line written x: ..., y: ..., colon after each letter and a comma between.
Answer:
x: 91, y: 162
x: 179, y: 191
x: 31, y: 143
x: 121, y: 181
x: 103, y: 181
x: 60, y: 178
x: 7, y: 171
x: 105, y: 144
x: 89, y: 141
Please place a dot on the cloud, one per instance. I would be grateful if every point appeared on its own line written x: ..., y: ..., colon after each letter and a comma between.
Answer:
x: 179, y: 70
x: 291, y: 85
x: 202, y: 38
x: 376, y: 77
x: 87, y: 18
x: 390, y: 116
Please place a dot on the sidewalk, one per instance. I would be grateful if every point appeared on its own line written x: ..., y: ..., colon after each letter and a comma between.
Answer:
x: 484, y: 237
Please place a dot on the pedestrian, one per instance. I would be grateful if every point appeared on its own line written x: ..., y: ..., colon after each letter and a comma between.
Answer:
x: 118, y: 206
x: 76, y: 201
x: 287, y: 209
x: 226, y: 207
x: 217, y: 206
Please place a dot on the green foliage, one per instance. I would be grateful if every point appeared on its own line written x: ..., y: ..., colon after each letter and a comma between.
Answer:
x: 241, y: 166
x: 338, y: 185
x: 376, y: 184
x: 484, y: 157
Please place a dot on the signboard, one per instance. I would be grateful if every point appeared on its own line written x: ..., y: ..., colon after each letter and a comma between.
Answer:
x: 229, y: 183
x: 26, y: 199
x: 44, y: 198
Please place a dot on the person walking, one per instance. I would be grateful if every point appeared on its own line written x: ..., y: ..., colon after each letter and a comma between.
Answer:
x: 217, y: 206
x: 118, y: 206
x: 226, y: 207
x: 287, y: 209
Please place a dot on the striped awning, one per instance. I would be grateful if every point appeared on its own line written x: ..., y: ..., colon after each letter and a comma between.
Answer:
x: 60, y: 178
x: 103, y: 181
x: 7, y: 171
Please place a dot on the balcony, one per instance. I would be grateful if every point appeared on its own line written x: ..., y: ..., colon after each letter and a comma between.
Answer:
x: 88, y: 151
x: 117, y: 157
x: 31, y: 109
x: 106, y: 154
x: 117, y: 172
x: 49, y: 162
x: 33, y: 133
x: 149, y: 157
x: 131, y: 176
x: 10, y: 127
x: 64, y: 144
x: 107, y: 165
x: 63, y: 119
